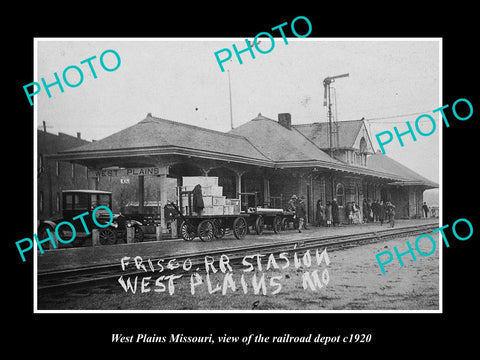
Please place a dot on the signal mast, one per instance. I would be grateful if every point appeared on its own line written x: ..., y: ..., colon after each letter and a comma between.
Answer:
x: 326, y: 95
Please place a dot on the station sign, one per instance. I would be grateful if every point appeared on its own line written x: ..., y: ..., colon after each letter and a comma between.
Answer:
x: 152, y: 171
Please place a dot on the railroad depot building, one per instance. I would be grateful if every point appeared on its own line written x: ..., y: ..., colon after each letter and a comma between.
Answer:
x: 144, y: 164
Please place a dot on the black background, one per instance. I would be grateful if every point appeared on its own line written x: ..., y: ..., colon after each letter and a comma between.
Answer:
x: 62, y: 335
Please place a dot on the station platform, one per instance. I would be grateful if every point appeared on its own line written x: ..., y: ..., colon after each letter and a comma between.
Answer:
x: 70, y: 258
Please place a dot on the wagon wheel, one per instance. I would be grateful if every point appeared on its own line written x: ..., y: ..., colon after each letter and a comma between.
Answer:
x: 107, y: 236
x: 259, y: 225
x: 285, y: 224
x: 139, y: 234
x: 188, y: 231
x: 218, y: 228
x: 239, y: 228
x: 43, y: 234
x: 205, y: 230
x: 277, y: 224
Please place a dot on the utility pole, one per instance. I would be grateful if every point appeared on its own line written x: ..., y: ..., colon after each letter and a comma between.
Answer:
x: 326, y: 84
x: 230, y: 94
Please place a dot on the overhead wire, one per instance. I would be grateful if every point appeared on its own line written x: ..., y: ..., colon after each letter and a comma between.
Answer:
x: 393, y: 117
x: 397, y: 116
x: 376, y: 119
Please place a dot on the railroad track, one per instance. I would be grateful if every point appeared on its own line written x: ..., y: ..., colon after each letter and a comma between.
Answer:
x: 91, y: 276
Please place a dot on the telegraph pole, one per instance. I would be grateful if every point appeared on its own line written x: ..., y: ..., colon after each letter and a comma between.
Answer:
x: 230, y: 94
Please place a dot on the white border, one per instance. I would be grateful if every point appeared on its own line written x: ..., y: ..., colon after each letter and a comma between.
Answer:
x: 35, y: 204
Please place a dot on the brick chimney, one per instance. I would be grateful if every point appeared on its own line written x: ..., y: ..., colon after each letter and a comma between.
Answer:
x: 285, y: 119
x: 79, y: 135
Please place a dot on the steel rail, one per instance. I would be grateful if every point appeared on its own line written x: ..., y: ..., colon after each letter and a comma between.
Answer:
x: 91, y: 276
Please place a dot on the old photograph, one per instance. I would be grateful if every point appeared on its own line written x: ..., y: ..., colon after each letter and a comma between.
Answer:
x: 268, y: 174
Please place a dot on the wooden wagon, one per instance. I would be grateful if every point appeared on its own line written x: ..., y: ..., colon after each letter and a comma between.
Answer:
x: 207, y: 227
x: 259, y: 218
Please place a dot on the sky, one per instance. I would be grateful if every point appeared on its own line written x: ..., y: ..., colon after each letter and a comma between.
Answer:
x: 390, y: 81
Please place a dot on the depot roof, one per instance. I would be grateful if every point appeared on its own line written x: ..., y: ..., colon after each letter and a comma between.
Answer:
x: 382, y: 163
x: 318, y: 133
x: 283, y: 146
x: 289, y: 147
x: 261, y: 141
x: 153, y: 136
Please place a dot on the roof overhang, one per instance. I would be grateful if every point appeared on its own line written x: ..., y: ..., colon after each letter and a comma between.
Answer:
x: 431, y: 185
x: 85, y: 156
x: 91, y: 159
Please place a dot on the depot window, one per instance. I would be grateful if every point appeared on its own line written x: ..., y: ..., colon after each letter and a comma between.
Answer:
x: 340, y: 194
x: 363, y: 151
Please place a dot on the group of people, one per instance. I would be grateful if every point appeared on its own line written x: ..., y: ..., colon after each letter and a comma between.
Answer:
x: 329, y: 215
x: 352, y: 213
x: 378, y: 211
x: 326, y: 216
x: 297, y: 205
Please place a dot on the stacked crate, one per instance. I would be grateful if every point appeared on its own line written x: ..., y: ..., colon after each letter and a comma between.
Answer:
x: 232, y: 206
x: 213, y: 200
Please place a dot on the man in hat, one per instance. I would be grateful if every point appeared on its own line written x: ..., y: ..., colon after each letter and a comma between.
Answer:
x: 292, y: 203
x: 425, y: 209
x: 391, y: 213
x: 301, y: 212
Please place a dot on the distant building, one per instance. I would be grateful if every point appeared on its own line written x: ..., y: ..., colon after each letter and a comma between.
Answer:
x: 53, y: 176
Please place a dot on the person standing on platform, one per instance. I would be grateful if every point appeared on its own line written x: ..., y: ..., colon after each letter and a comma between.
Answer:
x: 320, y: 214
x: 349, y: 212
x: 328, y: 214
x: 335, y: 214
x: 375, y: 210
x: 292, y: 207
x: 391, y: 213
x: 292, y: 203
x: 356, y: 213
x: 365, y: 211
x: 301, y: 212
x: 381, y: 212
x: 425, y: 209
x: 373, y: 205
